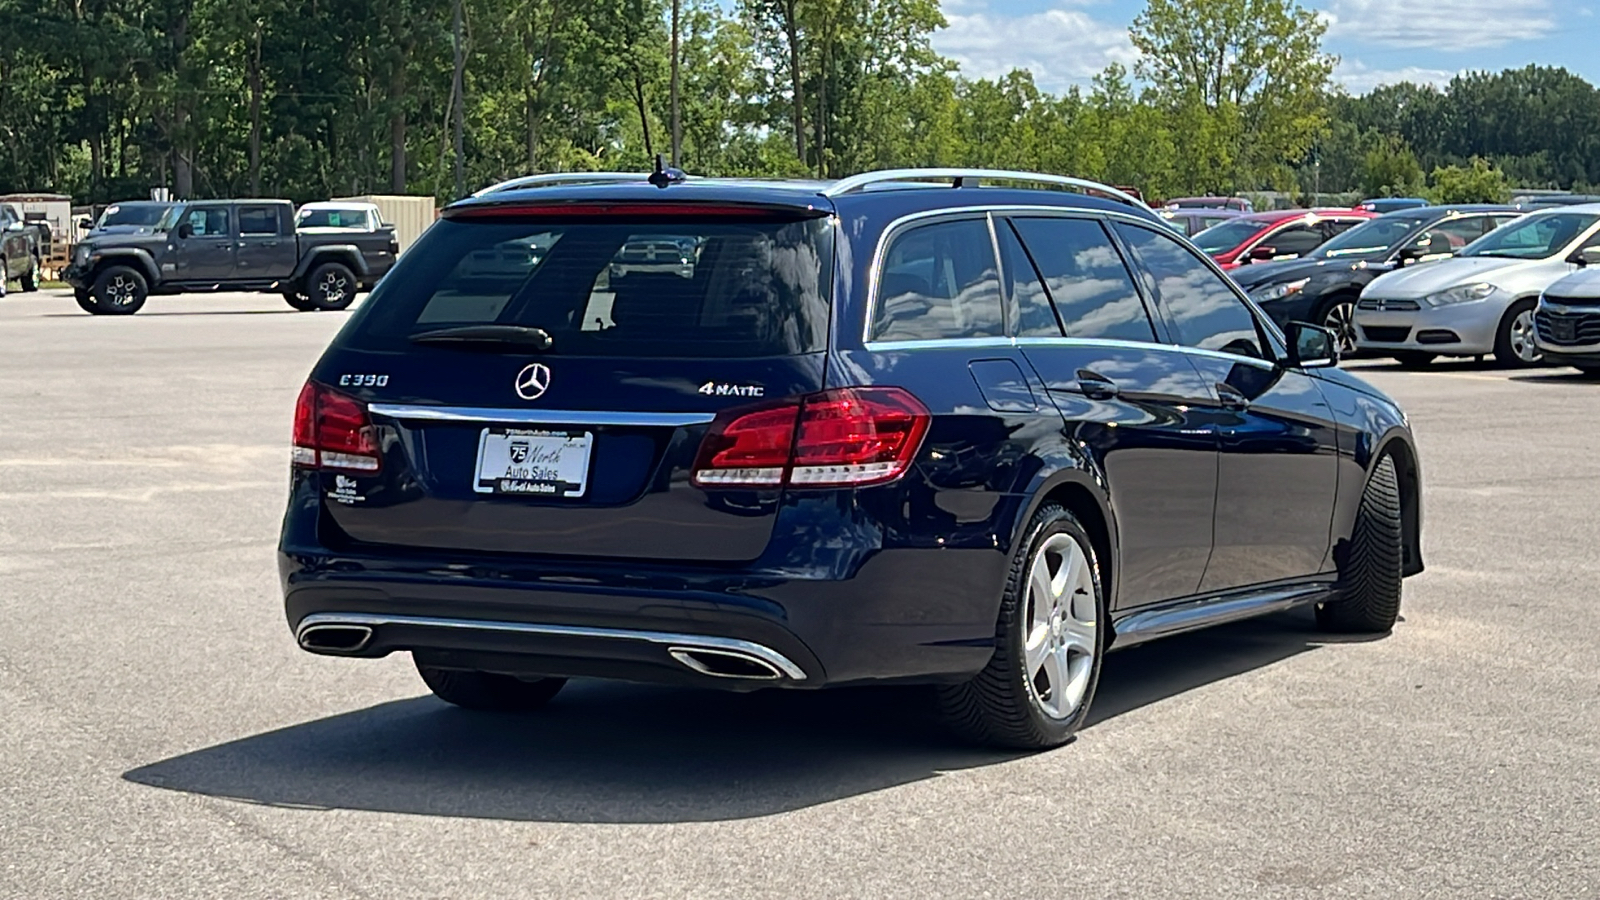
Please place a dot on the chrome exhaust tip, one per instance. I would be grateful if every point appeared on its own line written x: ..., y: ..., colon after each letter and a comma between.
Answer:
x: 334, y: 638
x: 726, y: 663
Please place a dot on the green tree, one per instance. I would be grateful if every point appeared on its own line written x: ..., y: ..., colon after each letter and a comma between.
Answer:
x: 1390, y: 169
x: 1256, y: 66
x: 1477, y: 182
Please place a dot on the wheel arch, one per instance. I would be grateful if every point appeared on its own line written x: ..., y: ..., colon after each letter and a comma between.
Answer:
x: 1082, y: 493
x: 1398, y: 445
x: 131, y: 257
x: 347, y: 255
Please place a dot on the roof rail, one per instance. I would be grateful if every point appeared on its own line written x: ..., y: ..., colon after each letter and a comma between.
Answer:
x: 554, y: 178
x: 959, y: 177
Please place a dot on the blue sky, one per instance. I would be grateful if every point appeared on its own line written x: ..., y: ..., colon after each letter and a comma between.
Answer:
x: 1066, y: 42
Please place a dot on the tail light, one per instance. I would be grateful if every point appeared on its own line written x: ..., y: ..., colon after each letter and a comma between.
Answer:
x: 333, y: 431
x: 838, y: 438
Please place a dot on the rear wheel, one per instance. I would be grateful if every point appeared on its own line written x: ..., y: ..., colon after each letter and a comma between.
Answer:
x: 332, y: 287
x: 1513, y: 343
x: 30, y: 279
x: 1035, y: 692
x: 120, y: 291
x: 1338, y: 315
x: 1412, y: 359
x: 489, y: 690
x: 1370, y: 575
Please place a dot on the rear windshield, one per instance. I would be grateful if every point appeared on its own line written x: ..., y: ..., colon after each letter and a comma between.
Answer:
x: 682, y: 289
x: 331, y: 218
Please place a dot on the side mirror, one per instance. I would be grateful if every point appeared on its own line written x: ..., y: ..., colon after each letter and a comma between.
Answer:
x: 1312, y: 346
x: 185, y: 231
x: 86, y: 223
x: 1264, y: 253
x: 15, y: 226
x: 1411, y: 254
x: 1588, y: 256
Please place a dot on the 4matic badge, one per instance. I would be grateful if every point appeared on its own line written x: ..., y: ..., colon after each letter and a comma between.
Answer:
x: 724, y: 389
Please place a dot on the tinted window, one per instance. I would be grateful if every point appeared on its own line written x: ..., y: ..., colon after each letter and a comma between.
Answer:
x: 332, y: 218
x: 725, y: 290
x: 1451, y: 235
x: 1087, y: 279
x: 1030, y: 305
x: 1223, y: 237
x: 258, y: 220
x: 1534, y: 237
x: 209, y: 221
x: 939, y: 281
x: 1295, y: 240
x: 142, y: 215
x: 1202, y: 310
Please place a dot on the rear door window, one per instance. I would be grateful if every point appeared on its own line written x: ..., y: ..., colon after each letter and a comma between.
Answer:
x: 939, y: 281
x: 697, y: 290
x: 1086, y: 278
x: 1029, y: 304
x: 1296, y: 240
x: 258, y: 220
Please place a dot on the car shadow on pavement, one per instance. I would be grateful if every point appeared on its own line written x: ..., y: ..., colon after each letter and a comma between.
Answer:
x: 199, y: 312
x: 626, y: 753
x: 1559, y: 376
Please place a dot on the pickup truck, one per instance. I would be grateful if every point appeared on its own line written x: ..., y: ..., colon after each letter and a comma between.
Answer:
x: 229, y: 245
x: 19, y: 250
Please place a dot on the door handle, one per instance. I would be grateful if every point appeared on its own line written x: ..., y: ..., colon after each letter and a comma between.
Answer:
x: 1096, y: 386
x: 1231, y: 397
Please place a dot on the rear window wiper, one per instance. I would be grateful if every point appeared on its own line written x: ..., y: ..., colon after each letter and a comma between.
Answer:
x: 525, y: 337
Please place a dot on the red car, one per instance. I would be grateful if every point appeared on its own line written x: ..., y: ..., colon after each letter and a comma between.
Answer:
x: 1281, y: 234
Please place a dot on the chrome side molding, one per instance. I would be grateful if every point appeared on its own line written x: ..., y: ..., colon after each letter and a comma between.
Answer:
x: 413, y: 413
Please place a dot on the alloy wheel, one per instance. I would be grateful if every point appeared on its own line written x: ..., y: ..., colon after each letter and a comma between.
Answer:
x: 333, y: 287
x: 1522, y: 343
x: 1061, y: 640
x: 1340, y: 319
x: 120, y: 291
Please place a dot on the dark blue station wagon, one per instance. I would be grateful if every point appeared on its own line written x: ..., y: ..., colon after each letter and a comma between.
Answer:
x: 966, y: 428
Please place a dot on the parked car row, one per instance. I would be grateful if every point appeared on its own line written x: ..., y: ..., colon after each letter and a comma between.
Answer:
x: 318, y: 257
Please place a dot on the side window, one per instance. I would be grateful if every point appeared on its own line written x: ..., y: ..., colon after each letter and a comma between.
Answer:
x: 209, y: 221
x: 1202, y: 310
x: 1296, y: 240
x: 939, y: 281
x: 1087, y: 279
x: 1030, y: 305
x: 258, y: 220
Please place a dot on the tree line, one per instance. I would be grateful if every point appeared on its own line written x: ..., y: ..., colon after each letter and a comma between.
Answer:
x: 104, y: 99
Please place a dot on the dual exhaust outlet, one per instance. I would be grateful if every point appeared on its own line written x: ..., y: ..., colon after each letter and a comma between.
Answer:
x: 331, y: 637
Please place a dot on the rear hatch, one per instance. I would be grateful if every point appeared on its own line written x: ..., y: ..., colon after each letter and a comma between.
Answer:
x: 540, y: 382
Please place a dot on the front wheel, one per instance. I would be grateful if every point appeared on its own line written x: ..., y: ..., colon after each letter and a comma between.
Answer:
x: 1339, y: 317
x: 1049, y: 640
x: 299, y: 301
x: 332, y: 286
x: 489, y: 691
x: 87, y: 303
x: 120, y: 291
x: 1371, y: 572
x: 1513, y: 343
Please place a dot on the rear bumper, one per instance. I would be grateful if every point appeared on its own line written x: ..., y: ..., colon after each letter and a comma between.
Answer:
x: 871, y: 614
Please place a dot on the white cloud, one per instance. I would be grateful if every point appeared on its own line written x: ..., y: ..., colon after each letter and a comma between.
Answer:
x: 1060, y: 46
x: 1357, y: 78
x: 1441, y: 24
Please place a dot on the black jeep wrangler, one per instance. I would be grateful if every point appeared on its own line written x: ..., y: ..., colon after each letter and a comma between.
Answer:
x: 228, y: 245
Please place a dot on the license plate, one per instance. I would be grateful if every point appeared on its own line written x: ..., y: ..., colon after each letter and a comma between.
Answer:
x: 1563, y: 330
x: 533, y: 462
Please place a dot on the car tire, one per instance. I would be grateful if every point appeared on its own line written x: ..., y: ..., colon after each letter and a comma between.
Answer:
x: 1036, y: 690
x: 1413, y: 359
x: 332, y: 287
x: 1337, y: 314
x: 29, y: 281
x: 489, y: 691
x: 1591, y: 371
x: 1514, y: 345
x: 87, y: 303
x: 120, y: 291
x: 1370, y: 576
x: 299, y: 301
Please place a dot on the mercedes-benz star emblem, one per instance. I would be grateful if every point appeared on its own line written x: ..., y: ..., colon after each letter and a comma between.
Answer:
x: 533, y: 381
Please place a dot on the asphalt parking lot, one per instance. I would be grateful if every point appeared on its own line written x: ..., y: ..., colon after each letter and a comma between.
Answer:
x: 161, y: 736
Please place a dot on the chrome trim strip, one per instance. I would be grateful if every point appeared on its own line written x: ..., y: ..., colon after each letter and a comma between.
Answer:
x: 858, y: 182
x: 407, y: 412
x: 1165, y: 619
x: 682, y: 641
x: 1008, y: 343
